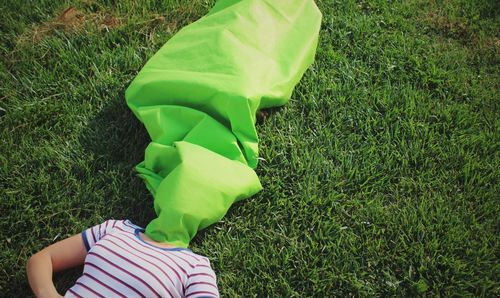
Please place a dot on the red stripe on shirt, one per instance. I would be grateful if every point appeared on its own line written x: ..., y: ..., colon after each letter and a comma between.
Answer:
x: 106, y: 227
x: 93, y: 236
x: 124, y: 270
x: 88, y: 289
x: 133, y: 263
x: 102, y: 284
x: 197, y: 259
x: 127, y: 232
x: 156, y: 250
x: 186, y: 261
x: 201, y: 283
x: 153, y: 256
x: 114, y: 277
x: 74, y: 293
x: 154, y: 275
x: 201, y: 292
x: 196, y: 274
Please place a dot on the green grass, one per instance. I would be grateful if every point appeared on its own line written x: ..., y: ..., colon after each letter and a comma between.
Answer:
x: 380, y: 176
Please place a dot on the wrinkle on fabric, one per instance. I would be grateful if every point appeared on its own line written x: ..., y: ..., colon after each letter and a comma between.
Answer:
x: 198, y: 97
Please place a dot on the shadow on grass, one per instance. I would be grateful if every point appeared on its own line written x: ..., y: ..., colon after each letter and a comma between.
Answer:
x: 116, y: 135
x: 117, y: 141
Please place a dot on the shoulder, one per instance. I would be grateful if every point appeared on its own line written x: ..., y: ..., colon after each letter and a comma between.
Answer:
x: 111, y: 226
x: 201, y: 279
x: 196, y: 259
x: 129, y: 224
x: 200, y: 264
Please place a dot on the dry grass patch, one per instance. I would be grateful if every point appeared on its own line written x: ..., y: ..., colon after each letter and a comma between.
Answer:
x: 71, y: 20
x: 440, y: 22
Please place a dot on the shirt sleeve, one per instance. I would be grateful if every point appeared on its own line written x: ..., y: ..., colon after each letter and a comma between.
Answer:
x: 92, y: 235
x: 201, y: 282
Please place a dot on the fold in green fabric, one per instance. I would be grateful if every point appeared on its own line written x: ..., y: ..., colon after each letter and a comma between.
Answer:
x: 198, y: 97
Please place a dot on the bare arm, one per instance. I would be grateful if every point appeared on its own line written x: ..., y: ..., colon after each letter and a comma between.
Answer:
x: 62, y: 255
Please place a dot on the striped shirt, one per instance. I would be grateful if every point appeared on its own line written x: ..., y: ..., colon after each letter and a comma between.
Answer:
x: 119, y: 263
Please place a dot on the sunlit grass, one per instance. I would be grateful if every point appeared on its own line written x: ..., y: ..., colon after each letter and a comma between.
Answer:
x: 380, y: 176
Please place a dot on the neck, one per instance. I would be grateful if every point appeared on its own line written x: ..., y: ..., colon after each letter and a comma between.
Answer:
x: 151, y: 241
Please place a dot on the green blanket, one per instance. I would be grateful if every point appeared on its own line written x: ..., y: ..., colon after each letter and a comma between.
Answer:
x: 198, y: 97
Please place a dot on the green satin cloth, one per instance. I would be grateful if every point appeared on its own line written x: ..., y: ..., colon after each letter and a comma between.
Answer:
x: 198, y: 97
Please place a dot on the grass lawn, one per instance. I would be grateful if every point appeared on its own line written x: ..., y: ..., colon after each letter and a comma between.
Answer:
x: 379, y: 176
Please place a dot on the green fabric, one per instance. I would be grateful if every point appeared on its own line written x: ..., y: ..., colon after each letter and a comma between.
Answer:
x: 198, y: 97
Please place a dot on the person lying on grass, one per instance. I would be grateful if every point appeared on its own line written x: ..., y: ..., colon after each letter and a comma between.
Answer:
x: 121, y: 261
